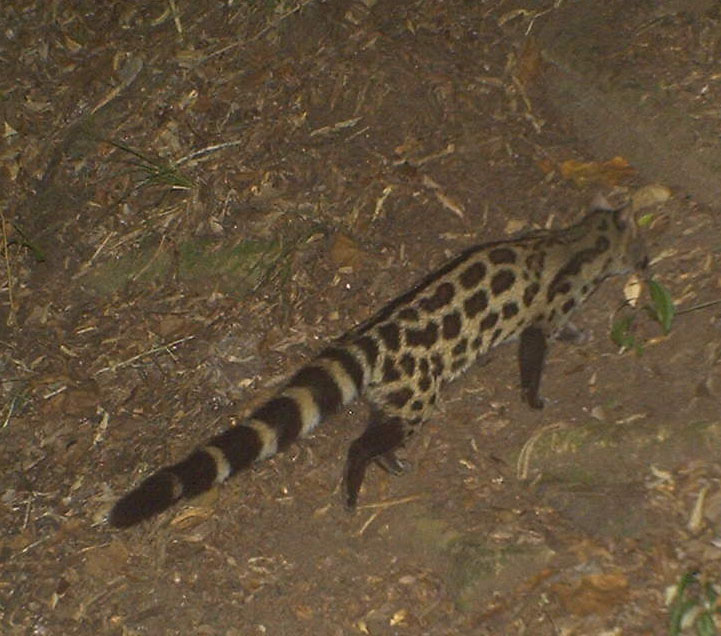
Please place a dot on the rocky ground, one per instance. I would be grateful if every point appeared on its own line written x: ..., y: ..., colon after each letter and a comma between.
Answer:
x: 196, y: 196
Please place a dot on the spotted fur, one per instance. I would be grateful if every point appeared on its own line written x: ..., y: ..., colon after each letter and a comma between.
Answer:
x: 523, y: 288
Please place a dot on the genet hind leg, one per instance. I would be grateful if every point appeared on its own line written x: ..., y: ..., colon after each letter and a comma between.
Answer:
x: 381, y: 438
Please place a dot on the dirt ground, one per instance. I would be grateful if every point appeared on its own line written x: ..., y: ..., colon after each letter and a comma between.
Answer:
x: 196, y: 196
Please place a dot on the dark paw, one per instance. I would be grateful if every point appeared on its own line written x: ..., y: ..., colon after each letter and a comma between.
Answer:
x: 352, y: 481
x: 350, y: 499
x: 537, y: 404
x: 533, y: 400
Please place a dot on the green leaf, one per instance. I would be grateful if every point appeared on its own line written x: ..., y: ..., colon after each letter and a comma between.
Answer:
x: 711, y: 594
x: 681, y: 605
x: 156, y: 172
x: 662, y: 308
x: 705, y: 625
x: 645, y: 220
x: 680, y: 609
x: 621, y: 332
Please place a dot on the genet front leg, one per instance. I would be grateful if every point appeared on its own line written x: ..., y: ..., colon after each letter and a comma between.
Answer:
x: 531, y: 356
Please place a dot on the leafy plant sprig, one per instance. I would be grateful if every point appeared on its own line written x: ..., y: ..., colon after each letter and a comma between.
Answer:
x: 156, y: 172
x: 661, y: 309
x: 694, y: 604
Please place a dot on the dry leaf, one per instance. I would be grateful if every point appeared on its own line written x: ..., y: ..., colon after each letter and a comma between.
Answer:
x: 546, y: 165
x: 304, y: 612
x: 529, y: 62
x: 344, y: 252
x: 593, y: 594
x: 192, y: 516
x: 513, y: 226
x: 171, y: 325
x: 609, y: 172
x: 650, y: 195
x: 101, y: 561
x: 8, y: 131
x: 399, y: 617
x: 632, y: 290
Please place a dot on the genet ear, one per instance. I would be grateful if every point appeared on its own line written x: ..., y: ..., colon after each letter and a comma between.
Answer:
x: 600, y: 202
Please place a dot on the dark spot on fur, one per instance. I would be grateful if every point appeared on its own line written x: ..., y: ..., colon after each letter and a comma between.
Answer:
x: 417, y: 405
x: 436, y: 365
x: 391, y: 335
x: 461, y: 347
x: 459, y: 364
x: 408, y: 314
x: 451, y: 325
x: 390, y: 373
x: 563, y: 287
x: 399, y: 398
x: 422, y: 337
x: 472, y: 275
x: 476, y: 303
x: 502, y: 281
x: 568, y: 305
x: 502, y: 255
x: 442, y: 296
x: 408, y: 364
x: 509, y: 310
x: 530, y: 293
x: 424, y: 383
x: 489, y: 321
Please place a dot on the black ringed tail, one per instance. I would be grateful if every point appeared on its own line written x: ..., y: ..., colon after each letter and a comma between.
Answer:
x: 334, y: 378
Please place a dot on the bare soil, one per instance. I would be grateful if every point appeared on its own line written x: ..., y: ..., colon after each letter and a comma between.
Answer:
x: 196, y: 196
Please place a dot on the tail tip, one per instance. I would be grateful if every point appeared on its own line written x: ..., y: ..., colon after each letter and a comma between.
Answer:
x: 157, y: 493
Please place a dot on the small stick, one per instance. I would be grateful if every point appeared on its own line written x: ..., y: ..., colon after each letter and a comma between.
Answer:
x: 150, y: 352
x: 10, y: 322
x: 208, y: 150
x: 380, y: 506
x: 688, y: 310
